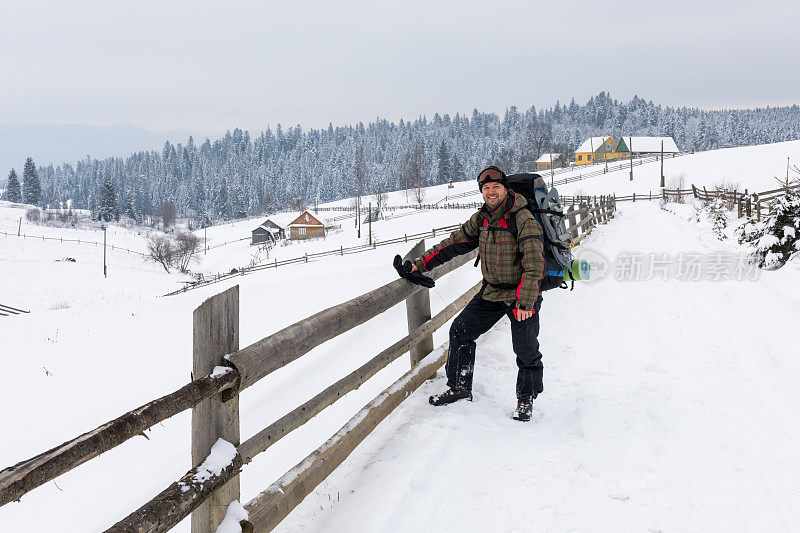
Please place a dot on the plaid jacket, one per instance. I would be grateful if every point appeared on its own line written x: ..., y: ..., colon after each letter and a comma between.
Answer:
x: 506, y: 260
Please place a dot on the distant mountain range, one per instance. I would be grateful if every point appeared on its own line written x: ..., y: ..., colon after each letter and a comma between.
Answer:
x: 72, y: 142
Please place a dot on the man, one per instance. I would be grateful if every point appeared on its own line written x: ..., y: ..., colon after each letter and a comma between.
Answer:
x: 510, y: 244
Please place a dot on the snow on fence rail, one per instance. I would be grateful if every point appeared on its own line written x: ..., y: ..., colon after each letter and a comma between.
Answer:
x: 209, y: 487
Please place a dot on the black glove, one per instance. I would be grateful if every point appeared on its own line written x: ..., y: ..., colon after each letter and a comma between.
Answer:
x: 404, y: 269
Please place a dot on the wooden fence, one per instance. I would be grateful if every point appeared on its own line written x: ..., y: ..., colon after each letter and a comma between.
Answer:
x: 7, y: 310
x: 62, y: 240
x: 214, y: 400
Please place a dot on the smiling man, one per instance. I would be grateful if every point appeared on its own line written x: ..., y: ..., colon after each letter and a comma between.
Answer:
x: 510, y: 246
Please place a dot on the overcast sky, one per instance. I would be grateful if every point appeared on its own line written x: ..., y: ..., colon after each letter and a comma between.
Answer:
x: 207, y: 66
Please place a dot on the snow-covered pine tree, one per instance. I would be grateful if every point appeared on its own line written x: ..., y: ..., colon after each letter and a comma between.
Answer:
x: 776, y: 238
x: 718, y: 213
x: 458, y: 169
x: 127, y: 206
x: 224, y: 208
x: 107, y: 205
x: 12, y: 193
x: 31, y: 186
x: 445, y: 173
x: 203, y: 219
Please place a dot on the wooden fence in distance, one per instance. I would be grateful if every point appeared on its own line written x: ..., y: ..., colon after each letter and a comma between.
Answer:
x: 213, y: 399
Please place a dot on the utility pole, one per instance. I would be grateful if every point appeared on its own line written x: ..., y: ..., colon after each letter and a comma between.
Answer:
x: 105, y: 269
x: 19, y: 228
x: 591, y: 146
x: 662, y: 164
x: 370, y: 223
x: 630, y: 149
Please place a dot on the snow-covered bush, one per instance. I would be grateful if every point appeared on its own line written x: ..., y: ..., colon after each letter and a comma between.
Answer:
x: 777, y: 237
x: 728, y: 189
x: 718, y: 215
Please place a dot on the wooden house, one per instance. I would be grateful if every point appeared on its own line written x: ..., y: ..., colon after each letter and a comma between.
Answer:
x: 548, y: 161
x: 596, y: 150
x: 269, y: 231
x: 306, y: 226
x: 646, y: 146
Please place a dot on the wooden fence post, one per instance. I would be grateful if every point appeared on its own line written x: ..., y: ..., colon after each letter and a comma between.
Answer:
x: 694, y: 190
x: 216, y: 333
x: 418, y: 311
x: 573, y: 231
x: 583, y: 212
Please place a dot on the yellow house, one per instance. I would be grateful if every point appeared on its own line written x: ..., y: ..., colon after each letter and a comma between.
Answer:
x: 596, y: 150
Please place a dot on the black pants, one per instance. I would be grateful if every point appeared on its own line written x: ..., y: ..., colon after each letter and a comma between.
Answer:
x: 476, y: 319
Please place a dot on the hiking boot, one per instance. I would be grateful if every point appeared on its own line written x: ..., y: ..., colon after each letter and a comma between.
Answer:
x: 450, y: 396
x: 524, y: 409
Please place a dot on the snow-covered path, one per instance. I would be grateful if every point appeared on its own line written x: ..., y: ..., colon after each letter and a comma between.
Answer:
x: 668, y: 406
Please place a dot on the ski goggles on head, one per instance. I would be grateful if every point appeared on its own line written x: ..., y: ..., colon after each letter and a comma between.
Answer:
x: 491, y: 174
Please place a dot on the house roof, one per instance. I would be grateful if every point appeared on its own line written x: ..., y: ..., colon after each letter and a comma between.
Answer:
x: 269, y: 229
x: 650, y: 144
x: 593, y: 143
x: 546, y: 158
x: 300, y: 221
x: 281, y: 220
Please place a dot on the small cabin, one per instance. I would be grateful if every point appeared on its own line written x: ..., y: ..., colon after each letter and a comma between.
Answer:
x: 596, y: 150
x: 308, y: 225
x: 548, y: 161
x: 269, y: 231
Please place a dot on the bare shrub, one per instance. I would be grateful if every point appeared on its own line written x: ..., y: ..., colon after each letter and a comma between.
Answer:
x: 184, y: 249
x: 33, y: 215
x: 173, y: 252
x: 160, y: 250
x: 676, y: 183
x: 380, y: 194
x: 260, y: 255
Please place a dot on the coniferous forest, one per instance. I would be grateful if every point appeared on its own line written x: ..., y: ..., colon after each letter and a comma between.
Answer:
x: 239, y: 175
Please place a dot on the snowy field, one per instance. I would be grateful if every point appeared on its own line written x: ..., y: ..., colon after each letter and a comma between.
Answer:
x: 668, y: 405
x: 29, y: 265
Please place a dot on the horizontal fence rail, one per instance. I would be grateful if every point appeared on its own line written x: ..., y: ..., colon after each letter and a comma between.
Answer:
x: 7, y: 310
x: 213, y: 399
x: 77, y: 240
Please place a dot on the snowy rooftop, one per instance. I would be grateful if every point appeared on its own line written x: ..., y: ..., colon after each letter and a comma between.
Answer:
x: 546, y: 158
x: 313, y: 214
x: 591, y: 144
x: 651, y: 144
